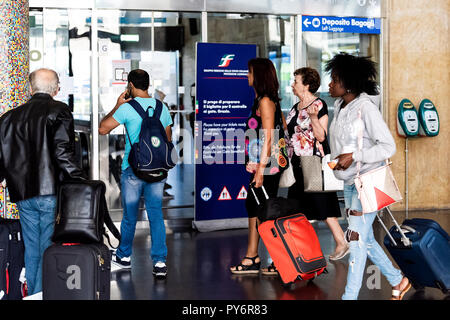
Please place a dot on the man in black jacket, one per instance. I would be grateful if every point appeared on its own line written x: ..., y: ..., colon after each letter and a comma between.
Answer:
x: 36, y: 153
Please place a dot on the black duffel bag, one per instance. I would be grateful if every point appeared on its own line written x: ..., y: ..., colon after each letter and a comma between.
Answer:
x: 82, y: 213
x: 273, y: 208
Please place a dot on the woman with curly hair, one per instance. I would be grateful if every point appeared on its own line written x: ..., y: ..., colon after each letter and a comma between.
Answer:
x: 352, y: 83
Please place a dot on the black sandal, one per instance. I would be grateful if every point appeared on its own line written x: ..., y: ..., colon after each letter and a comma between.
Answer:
x: 270, y: 270
x: 247, y: 269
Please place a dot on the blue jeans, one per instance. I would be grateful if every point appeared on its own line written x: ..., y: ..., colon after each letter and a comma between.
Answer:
x: 37, y: 219
x: 132, y: 190
x: 365, y: 246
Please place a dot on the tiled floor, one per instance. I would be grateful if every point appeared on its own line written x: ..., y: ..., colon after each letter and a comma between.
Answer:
x: 198, y: 262
x: 198, y: 270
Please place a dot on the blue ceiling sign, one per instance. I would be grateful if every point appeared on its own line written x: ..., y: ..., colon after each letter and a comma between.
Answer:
x: 341, y: 24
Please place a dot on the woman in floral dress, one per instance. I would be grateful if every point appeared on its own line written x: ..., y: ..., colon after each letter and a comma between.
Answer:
x: 307, y: 124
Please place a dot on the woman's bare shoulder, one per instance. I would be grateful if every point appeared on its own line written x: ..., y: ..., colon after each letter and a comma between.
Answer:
x: 266, y: 104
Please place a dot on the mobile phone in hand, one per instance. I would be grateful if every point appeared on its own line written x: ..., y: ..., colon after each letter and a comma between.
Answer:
x: 332, y: 164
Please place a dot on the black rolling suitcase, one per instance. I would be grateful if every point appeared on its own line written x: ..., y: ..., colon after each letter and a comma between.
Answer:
x: 12, y: 265
x: 75, y: 271
x: 78, y: 265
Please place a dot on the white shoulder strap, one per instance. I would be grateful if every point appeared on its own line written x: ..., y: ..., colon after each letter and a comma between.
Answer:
x: 360, y: 143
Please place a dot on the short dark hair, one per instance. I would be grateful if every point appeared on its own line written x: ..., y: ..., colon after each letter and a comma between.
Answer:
x: 265, y: 81
x: 139, y: 78
x: 357, y: 74
x: 310, y: 77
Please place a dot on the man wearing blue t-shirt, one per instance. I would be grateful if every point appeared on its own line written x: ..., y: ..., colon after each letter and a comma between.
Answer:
x: 132, y: 187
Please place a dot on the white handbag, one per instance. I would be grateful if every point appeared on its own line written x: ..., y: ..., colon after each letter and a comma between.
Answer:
x: 376, y: 188
x: 330, y: 182
x: 287, y: 178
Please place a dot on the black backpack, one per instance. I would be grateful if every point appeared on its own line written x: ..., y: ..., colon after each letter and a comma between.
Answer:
x: 82, y: 213
x: 153, y: 155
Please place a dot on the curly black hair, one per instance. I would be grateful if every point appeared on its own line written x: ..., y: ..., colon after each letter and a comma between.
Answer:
x: 357, y: 74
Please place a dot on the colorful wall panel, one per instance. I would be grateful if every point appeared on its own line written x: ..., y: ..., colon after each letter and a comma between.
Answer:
x: 14, y: 69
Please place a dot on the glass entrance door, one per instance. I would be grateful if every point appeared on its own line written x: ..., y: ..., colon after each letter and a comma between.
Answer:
x: 163, y: 44
x: 60, y: 40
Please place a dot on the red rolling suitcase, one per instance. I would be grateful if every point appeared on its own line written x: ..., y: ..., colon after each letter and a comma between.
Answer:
x: 293, y: 246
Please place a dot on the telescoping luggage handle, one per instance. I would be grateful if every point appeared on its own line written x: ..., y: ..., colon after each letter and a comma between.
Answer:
x: 254, y: 194
x: 405, y: 240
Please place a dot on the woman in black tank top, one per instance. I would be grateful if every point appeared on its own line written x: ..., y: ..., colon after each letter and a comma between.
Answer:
x: 265, y: 124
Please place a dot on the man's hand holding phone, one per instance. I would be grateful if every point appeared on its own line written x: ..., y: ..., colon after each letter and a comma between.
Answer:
x: 123, y: 98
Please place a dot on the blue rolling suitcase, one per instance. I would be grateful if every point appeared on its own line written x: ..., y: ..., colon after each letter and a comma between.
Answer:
x: 421, y: 249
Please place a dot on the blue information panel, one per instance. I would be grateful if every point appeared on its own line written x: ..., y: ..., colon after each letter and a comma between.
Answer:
x: 341, y: 24
x: 224, y: 101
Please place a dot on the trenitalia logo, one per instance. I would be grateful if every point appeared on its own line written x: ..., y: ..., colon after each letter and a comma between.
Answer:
x: 225, y: 61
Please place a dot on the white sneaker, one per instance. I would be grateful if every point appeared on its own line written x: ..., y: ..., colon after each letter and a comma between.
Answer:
x: 160, y: 269
x: 122, y: 263
x: 36, y: 296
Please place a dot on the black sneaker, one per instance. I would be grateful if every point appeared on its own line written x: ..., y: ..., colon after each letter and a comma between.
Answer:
x: 167, y: 196
x: 124, y: 263
x: 160, y: 270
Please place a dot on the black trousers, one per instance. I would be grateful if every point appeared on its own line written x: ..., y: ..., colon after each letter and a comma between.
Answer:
x: 315, y: 206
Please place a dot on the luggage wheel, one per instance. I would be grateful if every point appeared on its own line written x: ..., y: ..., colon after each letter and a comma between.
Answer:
x: 288, y: 286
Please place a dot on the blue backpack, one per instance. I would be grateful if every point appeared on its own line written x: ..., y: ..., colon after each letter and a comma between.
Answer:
x: 153, y: 155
